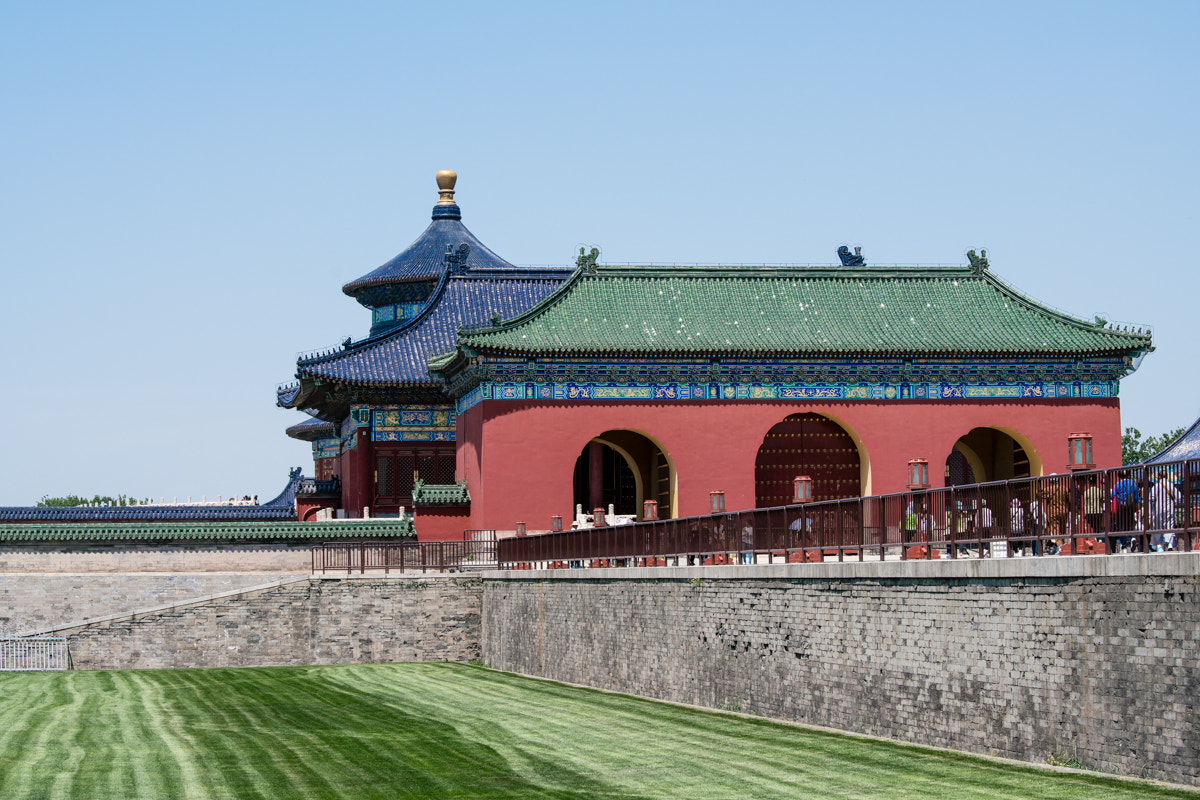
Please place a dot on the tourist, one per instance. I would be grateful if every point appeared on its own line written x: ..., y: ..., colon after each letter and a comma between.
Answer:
x: 1016, y: 527
x: 983, y: 529
x: 1036, y: 519
x: 1123, y: 503
x: 1164, y: 498
x: 747, y: 536
x: 1093, y: 506
x: 965, y: 527
x: 1058, y: 513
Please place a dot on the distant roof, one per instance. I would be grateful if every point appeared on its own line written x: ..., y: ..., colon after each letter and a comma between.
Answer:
x: 1185, y: 447
x: 873, y: 311
x: 256, y: 530
x: 281, y: 508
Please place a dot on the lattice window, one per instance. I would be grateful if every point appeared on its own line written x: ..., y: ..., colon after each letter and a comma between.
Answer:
x: 385, y: 477
x: 427, y: 467
x: 445, y: 473
x: 404, y: 475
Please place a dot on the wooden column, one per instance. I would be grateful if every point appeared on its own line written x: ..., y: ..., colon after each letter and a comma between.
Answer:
x: 595, y: 474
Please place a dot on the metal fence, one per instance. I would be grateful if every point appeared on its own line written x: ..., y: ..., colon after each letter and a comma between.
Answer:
x: 476, y: 550
x: 1144, y: 508
x: 31, y: 653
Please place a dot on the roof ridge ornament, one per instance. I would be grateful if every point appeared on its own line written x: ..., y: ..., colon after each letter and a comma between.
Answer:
x: 856, y: 260
x: 979, y: 263
x: 456, y: 260
x: 446, y: 179
x: 587, y: 261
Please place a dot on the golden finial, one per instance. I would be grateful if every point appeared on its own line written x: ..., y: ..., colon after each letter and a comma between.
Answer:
x: 445, y: 181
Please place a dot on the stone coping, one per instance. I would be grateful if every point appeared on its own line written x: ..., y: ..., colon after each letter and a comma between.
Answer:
x: 1045, y: 567
x: 393, y: 575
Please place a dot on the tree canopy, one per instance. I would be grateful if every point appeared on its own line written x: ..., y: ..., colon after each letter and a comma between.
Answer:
x: 96, y: 500
x: 1135, y: 449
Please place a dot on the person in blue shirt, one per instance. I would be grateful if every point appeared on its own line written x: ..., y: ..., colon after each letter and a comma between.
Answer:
x: 1125, y: 502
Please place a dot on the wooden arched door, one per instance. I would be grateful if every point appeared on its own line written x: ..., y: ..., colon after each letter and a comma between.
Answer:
x: 806, y: 444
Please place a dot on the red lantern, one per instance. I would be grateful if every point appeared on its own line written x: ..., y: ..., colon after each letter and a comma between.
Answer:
x: 1079, y: 451
x: 918, y: 473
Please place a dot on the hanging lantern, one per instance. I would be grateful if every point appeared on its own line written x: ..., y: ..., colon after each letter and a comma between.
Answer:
x: 598, y: 518
x: 650, y: 510
x: 520, y: 529
x: 1079, y: 451
x: 716, y: 502
x: 918, y: 473
x: 802, y: 489
x: 556, y: 522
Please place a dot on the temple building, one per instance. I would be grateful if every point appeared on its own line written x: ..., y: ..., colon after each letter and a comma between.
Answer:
x: 487, y: 395
x: 381, y: 427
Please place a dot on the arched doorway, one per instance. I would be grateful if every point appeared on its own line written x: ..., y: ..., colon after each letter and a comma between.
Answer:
x: 624, y: 468
x: 988, y: 454
x: 806, y: 444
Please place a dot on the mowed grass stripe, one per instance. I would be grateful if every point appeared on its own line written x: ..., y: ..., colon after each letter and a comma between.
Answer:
x: 706, y: 752
x: 193, y: 762
x: 447, y: 731
x: 379, y: 741
x: 485, y: 744
x: 29, y: 734
x: 434, y: 711
x: 255, y: 734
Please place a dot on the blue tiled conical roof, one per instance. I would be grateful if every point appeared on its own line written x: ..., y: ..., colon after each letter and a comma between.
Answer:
x: 1185, y: 447
x: 445, y: 280
x: 412, y: 275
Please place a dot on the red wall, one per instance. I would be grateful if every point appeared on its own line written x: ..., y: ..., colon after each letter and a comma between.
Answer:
x: 440, y: 524
x: 358, y: 475
x: 307, y: 506
x: 526, y: 451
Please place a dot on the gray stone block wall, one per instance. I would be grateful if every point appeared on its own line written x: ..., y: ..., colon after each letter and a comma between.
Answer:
x: 309, y: 621
x: 32, y: 602
x: 110, y: 557
x: 1096, y: 658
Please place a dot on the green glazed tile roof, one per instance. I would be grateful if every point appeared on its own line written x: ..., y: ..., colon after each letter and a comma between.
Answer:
x: 436, y: 494
x: 208, y: 531
x: 801, y: 310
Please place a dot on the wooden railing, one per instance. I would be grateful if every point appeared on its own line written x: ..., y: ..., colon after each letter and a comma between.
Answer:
x: 1144, y: 508
x: 477, y: 550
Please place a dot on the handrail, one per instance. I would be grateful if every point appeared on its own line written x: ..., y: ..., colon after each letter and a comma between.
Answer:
x: 1136, y: 508
x: 477, y: 550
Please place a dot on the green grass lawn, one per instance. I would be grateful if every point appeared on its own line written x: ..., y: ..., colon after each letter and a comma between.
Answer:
x: 442, y: 731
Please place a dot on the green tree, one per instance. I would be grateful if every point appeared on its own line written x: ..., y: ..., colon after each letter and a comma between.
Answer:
x: 76, y: 500
x: 1135, y: 449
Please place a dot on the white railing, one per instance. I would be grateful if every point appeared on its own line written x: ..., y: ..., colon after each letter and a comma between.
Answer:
x: 233, y: 500
x: 32, y: 653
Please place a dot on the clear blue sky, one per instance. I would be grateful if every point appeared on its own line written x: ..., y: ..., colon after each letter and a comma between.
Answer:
x: 184, y: 188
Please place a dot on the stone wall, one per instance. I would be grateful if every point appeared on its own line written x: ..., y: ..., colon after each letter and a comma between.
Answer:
x: 36, y: 602
x: 303, y: 621
x: 1024, y: 658
x: 110, y: 557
